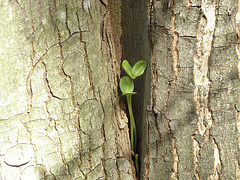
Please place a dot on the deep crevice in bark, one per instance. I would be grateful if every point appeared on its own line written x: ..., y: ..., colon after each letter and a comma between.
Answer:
x: 136, y: 46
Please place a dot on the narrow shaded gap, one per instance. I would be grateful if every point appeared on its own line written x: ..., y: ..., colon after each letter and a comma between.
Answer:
x: 136, y: 46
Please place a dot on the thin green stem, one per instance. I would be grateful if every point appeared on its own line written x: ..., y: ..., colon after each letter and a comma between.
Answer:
x: 136, y: 162
x: 132, y: 123
x: 135, y: 135
x: 133, y: 131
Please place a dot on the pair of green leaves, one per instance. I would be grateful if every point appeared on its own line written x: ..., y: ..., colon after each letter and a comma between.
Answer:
x: 136, y: 70
x: 126, y: 82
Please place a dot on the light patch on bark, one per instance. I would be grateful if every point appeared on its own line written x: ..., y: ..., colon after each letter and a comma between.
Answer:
x: 217, y: 167
x: 19, y: 155
x: 175, y: 36
x: 202, y: 83
x: 203, y: 49
x: 196, y: 149
x: 174, y: 174
x: 189, y: 3
x: 86, y: 5
x: 201, y: 102
x: 174, y: 48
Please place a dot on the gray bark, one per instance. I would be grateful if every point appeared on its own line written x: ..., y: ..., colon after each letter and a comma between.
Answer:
x: 60, y: 116
x: 193, y: 116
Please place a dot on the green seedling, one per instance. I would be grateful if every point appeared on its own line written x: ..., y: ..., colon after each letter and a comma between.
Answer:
x: 127, y: 87
x: 136, y: 70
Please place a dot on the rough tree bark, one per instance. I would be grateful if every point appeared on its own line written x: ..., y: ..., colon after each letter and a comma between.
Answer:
x: 192, y: 125
x: 62, y: 116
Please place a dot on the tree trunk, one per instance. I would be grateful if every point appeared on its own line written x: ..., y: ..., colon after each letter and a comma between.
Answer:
x: 193, y: 116
x: 62, y: 116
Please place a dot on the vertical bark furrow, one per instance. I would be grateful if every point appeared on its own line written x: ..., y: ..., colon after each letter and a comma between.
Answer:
x: 217, y: 171
x: 60, y: 152
x: 176, y: 70
x: 175, y: 57
x: 202, y: 83
x: 203, y: 49
x: 196, y: 148
x: 136, y: 46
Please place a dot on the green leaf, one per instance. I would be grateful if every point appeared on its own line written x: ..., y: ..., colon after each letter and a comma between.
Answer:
x: 127, y: 68
x: 126, y: 85
x: 139, y: 68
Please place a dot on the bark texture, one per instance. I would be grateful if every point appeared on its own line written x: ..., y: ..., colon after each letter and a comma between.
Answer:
x: 60, y: 116
x: 192, y: 120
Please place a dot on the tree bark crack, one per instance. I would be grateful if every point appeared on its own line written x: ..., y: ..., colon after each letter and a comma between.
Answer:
x: 175, y: 55
x: 174, y: 171
x: 195, y: 151
x: 66, y: 20
x: 91, y: 86
x: 60, y: 151
x: 217, y: 170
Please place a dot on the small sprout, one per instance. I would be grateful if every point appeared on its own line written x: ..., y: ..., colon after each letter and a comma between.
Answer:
x: 137, y: 70
x: 127, y: 86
